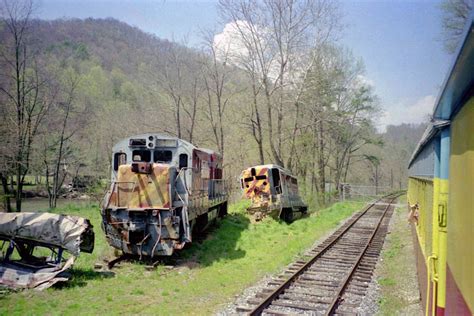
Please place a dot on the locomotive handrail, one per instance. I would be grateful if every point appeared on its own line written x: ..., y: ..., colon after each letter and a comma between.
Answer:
x: 181, y: 171
x: 110, y: 195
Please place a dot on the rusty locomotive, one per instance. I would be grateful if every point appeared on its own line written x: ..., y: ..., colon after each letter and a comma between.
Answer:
x: 162, y: 190
x: 273, y: 191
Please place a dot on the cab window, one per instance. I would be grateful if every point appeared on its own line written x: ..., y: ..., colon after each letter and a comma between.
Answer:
x: 162, y: 156
x: 119, y: 159
x: 276, y: 180
x: 141, y: 155
x: 183, y: 161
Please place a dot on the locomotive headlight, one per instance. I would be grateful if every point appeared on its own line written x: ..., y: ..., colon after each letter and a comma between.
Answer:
x: 166, y: 143
x: 151, y: 142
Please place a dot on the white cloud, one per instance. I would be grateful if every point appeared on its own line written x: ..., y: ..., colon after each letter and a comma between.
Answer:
x: 230, y: 45
x: 234, y: 44
x: 365, y: 80
x: 412, y: 113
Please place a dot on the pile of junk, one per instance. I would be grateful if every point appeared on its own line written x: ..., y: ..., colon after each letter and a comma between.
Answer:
x: 37, y: 249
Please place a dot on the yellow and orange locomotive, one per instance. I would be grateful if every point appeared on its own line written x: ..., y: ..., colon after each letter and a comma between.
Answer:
x: 273, y: 191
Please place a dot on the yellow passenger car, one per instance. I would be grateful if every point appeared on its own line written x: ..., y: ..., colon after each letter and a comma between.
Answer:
x: 442, y: 184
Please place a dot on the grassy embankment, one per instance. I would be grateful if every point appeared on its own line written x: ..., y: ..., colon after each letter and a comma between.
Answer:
x: 397, y: 276
x: 235, y: 254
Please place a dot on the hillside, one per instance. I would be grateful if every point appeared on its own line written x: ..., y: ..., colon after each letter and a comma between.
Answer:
x: 122, y: 81
x: 112, y: 43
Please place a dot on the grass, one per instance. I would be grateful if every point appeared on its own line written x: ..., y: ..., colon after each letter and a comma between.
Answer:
x: 397, y: 278
x: 234, y: 255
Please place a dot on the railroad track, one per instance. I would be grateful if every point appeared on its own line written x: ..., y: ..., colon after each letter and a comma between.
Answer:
x: 335, y: 278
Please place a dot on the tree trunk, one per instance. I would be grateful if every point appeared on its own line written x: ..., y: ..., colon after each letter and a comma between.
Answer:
x: 275, y: 153
x: 257, y: 125
x: 6, y: 191
x: 19, y: 188
x: 321, y: 163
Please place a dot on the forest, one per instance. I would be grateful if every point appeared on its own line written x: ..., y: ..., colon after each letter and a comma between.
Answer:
x: 279, y: 88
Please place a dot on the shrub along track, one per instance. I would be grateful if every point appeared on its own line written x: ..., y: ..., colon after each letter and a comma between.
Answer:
x: 335, y: 278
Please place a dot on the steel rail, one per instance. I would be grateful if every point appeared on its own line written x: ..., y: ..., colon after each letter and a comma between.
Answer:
x: 272, y: 296
x: 335, y: 302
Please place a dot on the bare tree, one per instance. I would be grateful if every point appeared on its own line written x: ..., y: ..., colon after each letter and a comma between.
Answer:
x: 22, y: 85
x: 216, y: 82
x: 180, y: 80
x: 276, y: 36
x: 455, y: 16
x: 68, y: 119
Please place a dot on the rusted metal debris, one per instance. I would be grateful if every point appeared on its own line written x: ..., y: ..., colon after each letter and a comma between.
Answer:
x: 32, y: 247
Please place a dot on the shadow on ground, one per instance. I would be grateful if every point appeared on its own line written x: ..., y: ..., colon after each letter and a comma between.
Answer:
x: 79, y: 278
x: 217, y: 242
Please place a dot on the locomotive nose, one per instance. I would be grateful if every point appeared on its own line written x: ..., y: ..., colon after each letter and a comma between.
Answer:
x: 142, y: 167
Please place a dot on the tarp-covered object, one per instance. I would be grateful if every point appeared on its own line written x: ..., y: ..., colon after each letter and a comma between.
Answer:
x: 26, y: 232
x: 16, y: 276
x: 72, y: 233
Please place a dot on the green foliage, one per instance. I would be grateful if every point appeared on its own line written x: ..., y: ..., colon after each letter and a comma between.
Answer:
x: 233, y: 255
x: 130, y: 82
x: 386, y: 281
x: 456, y: 13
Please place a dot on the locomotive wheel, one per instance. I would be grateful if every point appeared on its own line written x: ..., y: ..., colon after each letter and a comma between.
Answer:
x: 201, y: 224
x: 287, y: 215
x: 223, y: 210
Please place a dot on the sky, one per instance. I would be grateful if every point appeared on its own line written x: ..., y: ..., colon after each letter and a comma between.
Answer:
x: 398, y: 40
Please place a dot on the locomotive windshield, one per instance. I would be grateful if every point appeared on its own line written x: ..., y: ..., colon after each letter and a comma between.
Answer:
x: 144, y: 155
x: 141, y: 155
x: 162, y: 156
x: 276, y: 180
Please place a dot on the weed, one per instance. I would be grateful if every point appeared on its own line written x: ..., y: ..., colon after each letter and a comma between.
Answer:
x: 396, y: 276
x: 137, y: 292
x: 386, y: 281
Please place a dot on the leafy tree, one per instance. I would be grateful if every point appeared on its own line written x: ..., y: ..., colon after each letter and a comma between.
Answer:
x: 455, y: 16
x: 24, y: 92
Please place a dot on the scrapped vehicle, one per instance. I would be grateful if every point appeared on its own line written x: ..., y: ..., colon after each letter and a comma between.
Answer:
x: 33, y: 247
x: 163, y: 188
x: 273, y: 191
